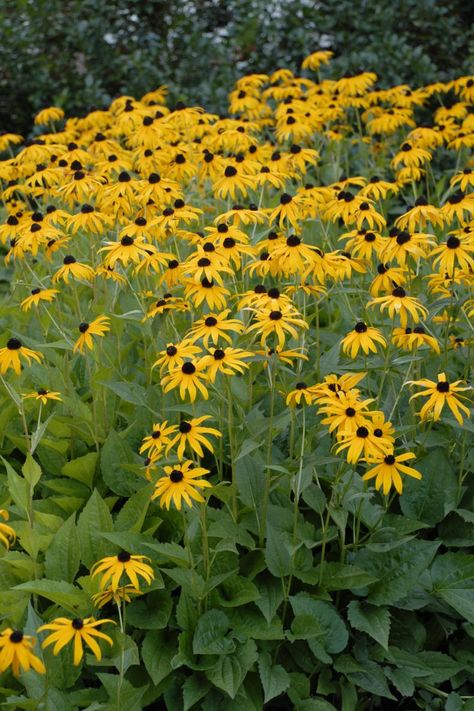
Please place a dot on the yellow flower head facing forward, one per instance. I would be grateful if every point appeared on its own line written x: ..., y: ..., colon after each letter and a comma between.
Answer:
x: 78, y: 631
x: 37, y: 295
x: 98, y: 327
x: 363, y: 443
x: 188, y: 378
x: 127, y: 249
x: 113, y: 567
x: 399, y: 304
x: 43, y: 396
x: 387, y: 469
x: 440, y: 394
x: 7, y: 534
x: 213, y: 327
x: 228, y: 361
x: 159, y: 438
x: 15, y: 652
x: 412, y: 338
x: 11, y: 354
x: 181, y: 483
x: 72, y: 268
x: 278, y: 322
x: 193, y: 433
x: 362, y: 337
x: 175, y: 354
x: 301, y: 394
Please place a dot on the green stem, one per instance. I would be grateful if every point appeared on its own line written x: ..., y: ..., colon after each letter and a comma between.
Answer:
x: 268, y: 475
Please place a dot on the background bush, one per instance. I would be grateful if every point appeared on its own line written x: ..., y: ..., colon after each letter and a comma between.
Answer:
x: 82, y: 53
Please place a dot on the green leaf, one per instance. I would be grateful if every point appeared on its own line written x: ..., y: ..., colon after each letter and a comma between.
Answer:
x: 209, y: 636
x: 452, y: 576
x: 94, y: 519
x: 337, y: 576
x: 374, y: 621
x: 275, y: 679
x: 59, y: 592
x: 18, y: 488
x: 31, y: 471
x: 314, y: 704
x: 372, y: 680
x: 250, y: 481
x: 424, y: 499
x: 158, y: 649
x: 151, y: 612
x: 236, y: 591
x: 129, y: 392
x: 194, y: 688
x: 402, y: 680
x: 397, y: 571
x: 231, y: 669
x: 115, y: 453
x: 336, y: 635
x: 271, y: 597
x: 278, y: 550
x: 82, y: 469
x: 63, y: 556
x: 132, y: 515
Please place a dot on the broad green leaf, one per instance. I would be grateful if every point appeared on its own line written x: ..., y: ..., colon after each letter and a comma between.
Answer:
x: 274, y: 678
x: 271, y: 597
x: 59, y: 592
x: 452, y: 576
x: 397, y: 571
x: 210, y: 634
x: 63, y: 556
x: 278, y: 549
x: 374, y: 621
x: 129, y: 392
x: 31, y: 471
x: 151, y: 612
x: 424, y: 499
x: 336, y: 635
x: 194, y: 689
x: 236, y: 591
x: 231, y: 669
x: 17, y: 487
x: 337, y: 576
x: 94, y: 519
x: 115, y: 453
x: 132, y: 515
x: 158, y: 649
x: 82, y: 468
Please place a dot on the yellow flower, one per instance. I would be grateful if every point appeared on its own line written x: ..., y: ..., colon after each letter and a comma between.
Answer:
x: 113, y: 567
x: 301, y: 392
x: 52, y: 113
x: 181, y: 482
x: 98, y: 327
x: 158, y: 439
x: 314, y: 60
x: 213, y: 327
x: 10, y: 356
x: 440, y: 394
x: 71, y: 267
x: 188, y: 378
x: 364, y: 337
x: 192, y: 432
x: 225, y: 360
x: 7, y: 534
x: 44, y: 395
x: 121, y: 594
x: 387, y: 471
x: 15, y: 652
x: 398, y: 303
x: 174, y: 355
x: 412, y: 338
x: 362, y: 443
x: 279, y: 322
x: 78, y: 631
x: 128, y: 249
x: 38, y: 295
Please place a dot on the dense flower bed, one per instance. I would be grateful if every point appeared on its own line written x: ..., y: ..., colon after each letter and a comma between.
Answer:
x: 235, y: 421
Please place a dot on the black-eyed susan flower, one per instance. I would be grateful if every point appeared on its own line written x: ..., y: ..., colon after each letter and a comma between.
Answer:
x: 419, y: 216
x: 313, y: 61
x: 43, y: 396
x: 214, y: 327
x: 440, y: 394
x: 174, y: 355
x: 127, y: 249
x: 269, y: 322
x: 387, y: 470
x: 181, y: 482
x: 228, y: 361
x: 362, y: 337
x: 398, y: 303
x: 112, y: 568
x: 99, y: 327
x: 458, y: 205
x: 7, y: 533
x: 287, y: 212
x: 345, y: 413
x: 333, y: 385
x: 412, y: 338
x: 72, y: 268
x: 37, y: 296
x: 124, y: 593
x: 15, y: 652
x: 78, y: 631
x: 49, y: 115
x: 89, y: 220
x: 386, y: 277
x: 232, y: 182
x: 189, y: 378
x: 302, y: 394
x: 362, y: 443
x: 13, y: 352
x: 208, y: 291
x: 457, y: 251
x: 159, y: 437
x: 194, y: 434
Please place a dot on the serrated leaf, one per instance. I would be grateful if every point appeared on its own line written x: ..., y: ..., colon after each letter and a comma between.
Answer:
x: 452, y: 575
x: 275, y: 679
x: 158, y: 649
x: 374, y: 621
x: 115, y: 453
x: 94, y: 519
x: 338, y: 576
x: 210, y: 634
x: 59, y: 592
x: 82, y: 469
